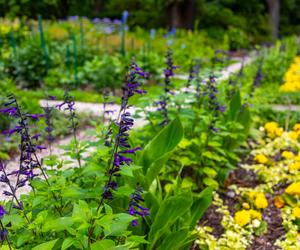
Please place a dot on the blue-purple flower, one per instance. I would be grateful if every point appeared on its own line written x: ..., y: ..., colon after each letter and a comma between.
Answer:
x: 135, y: 207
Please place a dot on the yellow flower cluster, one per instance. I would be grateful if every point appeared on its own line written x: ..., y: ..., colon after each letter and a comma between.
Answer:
x: 296, y: 212
x: 292, y: 77
x: 7, y: 26
x: 287, y: 155
x: 261, y: 201
x: 243, y: 217
x: 261, y: 158
x: 294, y: 135
x: 57, y: 32
x: 293, y: 189
x: 273, y: 130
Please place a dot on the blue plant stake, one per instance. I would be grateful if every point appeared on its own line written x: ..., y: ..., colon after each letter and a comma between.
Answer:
x: 123, y: 31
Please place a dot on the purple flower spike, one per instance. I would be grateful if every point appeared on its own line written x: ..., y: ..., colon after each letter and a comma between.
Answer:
x: 123, y: 150
x: 135, y: 208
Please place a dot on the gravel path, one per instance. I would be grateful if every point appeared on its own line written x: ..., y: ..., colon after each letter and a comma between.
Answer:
x: 97, y: 110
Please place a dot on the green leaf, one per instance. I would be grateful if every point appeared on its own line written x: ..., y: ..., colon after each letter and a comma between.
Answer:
x: 158, y: 148
x: 210, y: 182
x: 138, y: 239
x: 210, y: 172
x: 58, y: 225
x: 128, y: 170
x: 169, y: 211
x: 67, y: 243
x: 235, y: 106
x: 46, y: 246
x: 174, y: 240
x: 103, y: 245
x: 200, y: 204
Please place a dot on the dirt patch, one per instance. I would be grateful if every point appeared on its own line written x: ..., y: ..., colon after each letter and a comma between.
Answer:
x: 213, y: 219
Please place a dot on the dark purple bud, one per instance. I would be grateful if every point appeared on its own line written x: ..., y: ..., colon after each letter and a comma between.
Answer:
x: 2, y: 212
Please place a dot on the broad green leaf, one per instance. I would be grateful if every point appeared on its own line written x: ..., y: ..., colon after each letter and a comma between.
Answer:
x: 210, y: 182
x: 200, y: 204
x: 128, y: 170
x: 58, y: 225
x: 46, y: 246
x: 103, y: 245
x: 138, y: 239
x: 68, y: 242
x: 174, y: 240
x: 169, y: 211
x: 158, y: 148
x: 210, y: 172
x: 166, y: 140
x: 235, y: 106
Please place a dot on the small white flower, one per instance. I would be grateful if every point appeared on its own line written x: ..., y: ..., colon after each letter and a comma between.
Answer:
x: 256, y: 223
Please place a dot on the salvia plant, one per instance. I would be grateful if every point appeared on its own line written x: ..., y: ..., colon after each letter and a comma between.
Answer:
x: 258, y: 76
x: 68, y: 105
x: 48, y: 112
x: 164, y: 101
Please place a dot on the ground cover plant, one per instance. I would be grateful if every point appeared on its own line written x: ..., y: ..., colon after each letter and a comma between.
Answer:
x: 183, y: 148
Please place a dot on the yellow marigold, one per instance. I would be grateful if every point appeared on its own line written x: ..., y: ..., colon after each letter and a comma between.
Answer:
x: 297, y: 157
x: 293, y: 189
x: 296, y: 212
x: 293, y: 135
x: 278, y: 202
x: 261, y: 201
x: 255, y: 214
x: 273, y: 130
x: 271, y: 126
x: 297, y: 127
x: 294, y: 166
x: 261, y: 158
x: 287, y: 155
x: 252, y: 194
x: 242, y: 217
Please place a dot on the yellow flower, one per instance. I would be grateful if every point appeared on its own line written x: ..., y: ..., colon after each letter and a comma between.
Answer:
x: 296, y: 212
x: 297, y: 127
x: 261, y: 201
x: 294, y: 166
x: 261, y: 158
x: 255, y: 214
x: 293, y: 189
x: 287, y: 155
x: 252, y: 194
x: 278, y: 202
x: 273, y: 130
x: 242, y: 217
x: 293, y: 135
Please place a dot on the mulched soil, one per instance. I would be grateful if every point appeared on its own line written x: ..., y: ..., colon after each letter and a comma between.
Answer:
x: 213, y: 219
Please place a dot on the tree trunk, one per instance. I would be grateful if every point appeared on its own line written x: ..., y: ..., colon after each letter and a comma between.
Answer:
x: 274, y: 15
x: 182, y: 14
x: 97, y: 7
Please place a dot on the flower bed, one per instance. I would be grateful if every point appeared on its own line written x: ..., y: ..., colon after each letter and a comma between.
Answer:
x: 263, y: 211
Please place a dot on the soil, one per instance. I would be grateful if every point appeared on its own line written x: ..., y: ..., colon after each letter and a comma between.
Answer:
x: 213, y: 219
